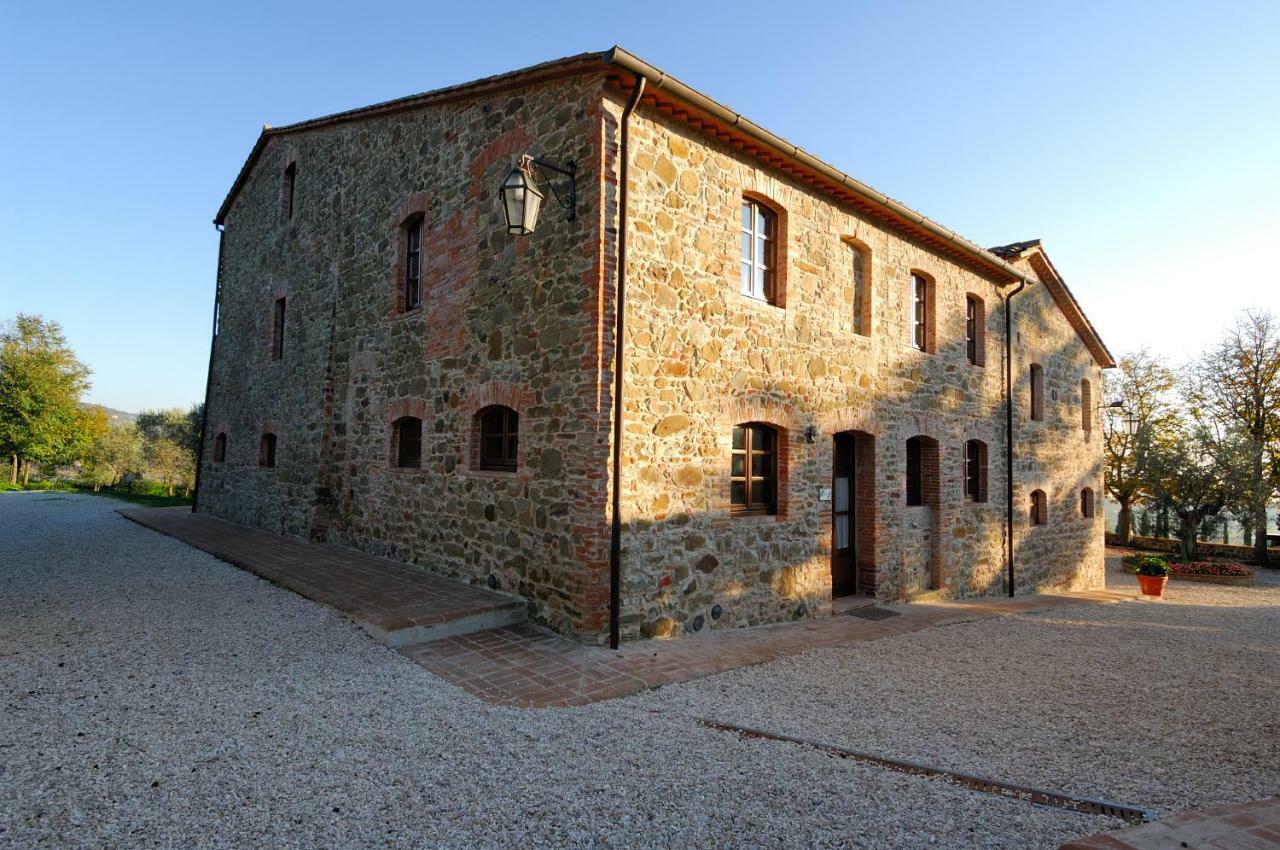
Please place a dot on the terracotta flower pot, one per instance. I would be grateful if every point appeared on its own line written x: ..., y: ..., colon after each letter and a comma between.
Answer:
x: 1152, y: 585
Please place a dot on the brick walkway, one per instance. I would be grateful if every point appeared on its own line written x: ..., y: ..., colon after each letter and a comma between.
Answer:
x: 396, y: 603
x: 529, y: 667
x: 476, y: 639
x: 1244, y: 826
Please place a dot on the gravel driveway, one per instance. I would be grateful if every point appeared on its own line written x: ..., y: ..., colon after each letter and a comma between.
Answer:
x: 154, y: 696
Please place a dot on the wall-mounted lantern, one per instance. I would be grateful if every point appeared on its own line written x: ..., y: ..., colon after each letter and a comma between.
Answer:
x: 522, y: 200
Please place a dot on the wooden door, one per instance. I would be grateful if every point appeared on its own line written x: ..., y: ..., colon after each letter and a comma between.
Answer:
x: 844, y: 575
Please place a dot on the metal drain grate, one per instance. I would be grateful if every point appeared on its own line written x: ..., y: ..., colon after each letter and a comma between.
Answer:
x: 1133, y: 814
x: 871, y: 612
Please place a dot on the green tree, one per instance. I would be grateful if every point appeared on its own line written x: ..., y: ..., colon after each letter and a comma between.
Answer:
x: 171, y: 440
x: 41, y: 382
x: 172, y: 463
x: 1235, y: 387
x: 1144, y: 383
x: 1186, y: 473
x: 115, y: 454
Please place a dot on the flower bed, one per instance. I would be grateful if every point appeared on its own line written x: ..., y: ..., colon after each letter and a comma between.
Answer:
x: 1213, y: 572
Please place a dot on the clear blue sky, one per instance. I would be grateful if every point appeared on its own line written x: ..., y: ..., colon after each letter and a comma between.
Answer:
x: 1141, y: 141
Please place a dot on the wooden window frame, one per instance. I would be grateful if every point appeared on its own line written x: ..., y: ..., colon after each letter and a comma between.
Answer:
x: 921, y: 319
x: 268, y: 446
x: 975, y: 329
x: 278, y: 308
x: 975, y: 471
x: 758, y: 250
x: 220, y: 447
x: 413, y: 229
x: 752, y: 458
x: 508, y: 435
x: 399, y: 444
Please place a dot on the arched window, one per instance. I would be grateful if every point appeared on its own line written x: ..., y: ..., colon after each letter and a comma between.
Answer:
x: 220, y: 448
x: 267, y: 450
x: 922, y: 312
x: 1086, y: 502
x: 412, y: 284
x: 975, y: 471
x: 499, y: 438
x: 759, y: 236
x: 753, y: 487
x: 1039, y: 508
x: 1037, y: 392
x: 1086, y: 405
x: 975, y: 330
x: 406, y: 442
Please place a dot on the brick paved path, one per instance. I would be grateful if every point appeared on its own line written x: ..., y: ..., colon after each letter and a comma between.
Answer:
x: 396, y: 603
x: 530, y: 667
x: 1243, y: 826
x: 476, y: 639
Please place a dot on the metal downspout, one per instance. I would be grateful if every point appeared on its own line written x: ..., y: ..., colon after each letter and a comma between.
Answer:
x: 620, y: 309
x: 1008, y: 422
x: 208, y: 378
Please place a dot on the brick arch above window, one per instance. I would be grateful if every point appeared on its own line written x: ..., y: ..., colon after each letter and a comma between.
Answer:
x: 757, y: 409
x: 776, y: 259
x: 415, y: 407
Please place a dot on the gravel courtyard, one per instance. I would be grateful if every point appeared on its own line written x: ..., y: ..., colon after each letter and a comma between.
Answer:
x: 154, y: 696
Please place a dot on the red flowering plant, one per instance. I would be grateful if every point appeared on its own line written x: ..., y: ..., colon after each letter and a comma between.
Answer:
x: 1208, y: 568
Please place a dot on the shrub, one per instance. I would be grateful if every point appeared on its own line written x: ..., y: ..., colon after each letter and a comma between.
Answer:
x: 1150, y: 565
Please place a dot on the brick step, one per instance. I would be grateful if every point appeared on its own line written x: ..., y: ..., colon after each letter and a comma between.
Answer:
x: 398, y: 604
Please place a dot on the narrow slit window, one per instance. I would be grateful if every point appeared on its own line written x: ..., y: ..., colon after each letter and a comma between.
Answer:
x: 1037, y: 392
x: 220, y: 448
x: 915, y: 483
x: 267, y: 450
x: 921, y: 313
x: 1039, y: 508
x: 290, y: 181
x: 413, y: 263
x: 975, y: 471
x: 277, y: 330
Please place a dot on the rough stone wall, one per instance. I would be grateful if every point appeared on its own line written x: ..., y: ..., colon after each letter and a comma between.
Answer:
x: 504, y: 321
x: 702, y: 357
x: 526, y: 323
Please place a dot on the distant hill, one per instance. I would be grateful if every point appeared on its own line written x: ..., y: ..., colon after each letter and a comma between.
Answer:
x: 113, y: 414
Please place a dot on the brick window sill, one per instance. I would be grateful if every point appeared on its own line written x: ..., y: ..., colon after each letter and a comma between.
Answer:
x: 500, y: 474
x: 408, y: 314
x: 760, y: 302
x: 754, y: 519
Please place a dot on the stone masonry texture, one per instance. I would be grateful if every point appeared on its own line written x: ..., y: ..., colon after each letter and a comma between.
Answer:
x: 526, y: 322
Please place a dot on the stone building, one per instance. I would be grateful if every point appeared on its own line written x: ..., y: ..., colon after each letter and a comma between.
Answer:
x: 814, y: 376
